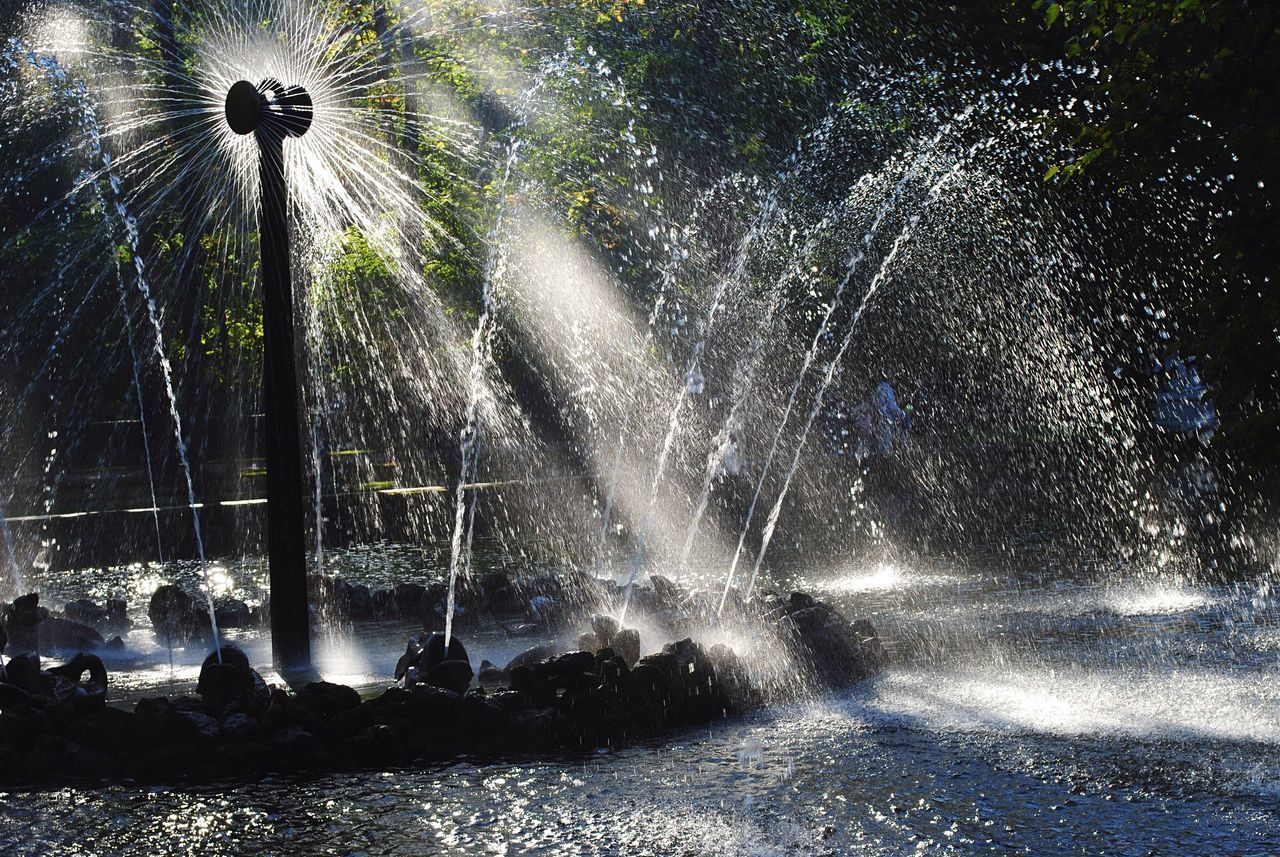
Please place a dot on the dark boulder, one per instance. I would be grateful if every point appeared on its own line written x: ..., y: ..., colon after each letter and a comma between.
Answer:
x: 344, y: 724
x: 233, y: 613
x: 626, y: 644
x: 570, y: 671
x: 176, y: 616
x: 534, y: 684
x: 378, y: 743
x: 232, y: 680
x: 666, y: 592
x: 529, y: 656
x: 415, y: 705
x: 510, y: 700
x: 800, y: 601
x: 329, y: 698
x: 434, y: 651
x: 604, y: 627
x: 56, y: 633
x: 484, y: 720
x: 454, y: 675
x: 31, y: 628
x: 108, y: 730
x: 25, y: 603
x: 490, y: 676
x: 409, y: 600
x: 24, y: 671
x: 14, y: 698
x: 117, y: 613
x: 85, y: 611
x: 435, y: 704
x: 837, y: 651
x: 498, y: 593
x: 164, y: 724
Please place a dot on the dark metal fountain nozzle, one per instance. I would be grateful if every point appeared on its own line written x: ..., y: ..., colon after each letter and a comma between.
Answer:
x: 286, y: 110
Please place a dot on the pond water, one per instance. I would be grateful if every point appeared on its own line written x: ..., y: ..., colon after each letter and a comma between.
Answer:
x: 1021, y: 714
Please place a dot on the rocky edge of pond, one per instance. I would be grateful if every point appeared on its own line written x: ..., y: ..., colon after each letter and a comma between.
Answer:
x: 55, y: 725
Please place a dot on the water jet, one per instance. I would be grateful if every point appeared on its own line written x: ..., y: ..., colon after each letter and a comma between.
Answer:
x: 272, y: 112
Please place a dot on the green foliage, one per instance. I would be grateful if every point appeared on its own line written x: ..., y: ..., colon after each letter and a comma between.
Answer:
x: 1191, y: 89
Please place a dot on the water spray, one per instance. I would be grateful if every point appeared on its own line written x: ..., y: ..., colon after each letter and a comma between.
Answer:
x: 272, y: 111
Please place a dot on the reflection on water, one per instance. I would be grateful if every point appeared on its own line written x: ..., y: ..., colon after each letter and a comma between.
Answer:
x: 1024, y: 712
x: 833, y: 778
x: 1162, y: 704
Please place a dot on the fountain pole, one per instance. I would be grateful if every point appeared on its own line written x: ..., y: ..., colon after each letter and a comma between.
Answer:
x: 274, y: 112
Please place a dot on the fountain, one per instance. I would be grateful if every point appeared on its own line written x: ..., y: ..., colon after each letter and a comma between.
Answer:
x: 456, y: 328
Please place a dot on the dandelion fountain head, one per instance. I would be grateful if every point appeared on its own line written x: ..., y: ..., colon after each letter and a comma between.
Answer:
x: 288, y: 112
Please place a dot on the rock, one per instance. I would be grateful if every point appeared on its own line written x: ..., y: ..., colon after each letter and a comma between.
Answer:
x: 238, y: 726
x: 115, y: 644
x: 222, y: 684
x: 84, y: 611
x: 409, y: 600
x: 232, y: 680
x: 534, y: 685
x: 117, y: 613
x: 14, y: 698
x: 292, y: 743
x: 329, y: 698
x: 509, y: 700
x: 109, y: 730
x: 377, y: 742
x: 435, y: 704
x: 206, y: 727
x: 176, y: 616
x: 360, y: 601
x: 800, y: 601
x: 31, y: 628
x: 24, y: 671
x: 529, y: 656
x: 454, y: 675
x: 490, y: 676
x: 837, y: 651
x: 382, y: 602
x: 626, y: 644
x: 610, y: 668
x: 24, y: 603
x: 570, y: 665
x: 570, y: 702
x: 589, y: 642
x: 604, y: 627
x: 732, y: 679
x: 414, y: 705
x: 666, y: 593
x: 163, y: 724
x: 232, y: 613
x: 484, y: 720
x: 56, y: 633
x: 344, y: 724
x: 433, y: 652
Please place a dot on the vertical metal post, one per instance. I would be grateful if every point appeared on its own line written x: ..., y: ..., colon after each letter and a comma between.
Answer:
x: 286, y: 540
x: 287, y: 113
